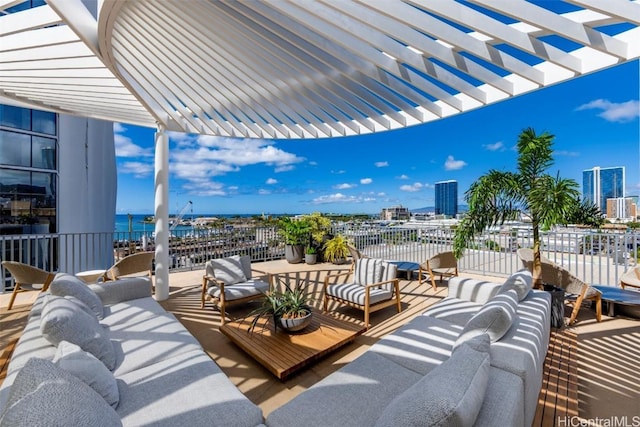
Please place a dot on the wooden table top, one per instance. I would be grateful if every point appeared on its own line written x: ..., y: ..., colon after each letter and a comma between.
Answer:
x: 283, y: 353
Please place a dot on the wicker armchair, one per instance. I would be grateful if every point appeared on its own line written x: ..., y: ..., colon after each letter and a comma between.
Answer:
x: 442, y: 264
x: 27, y: 278
x: 631, y: 278
x: 136, y: 264
x: 576, y: 291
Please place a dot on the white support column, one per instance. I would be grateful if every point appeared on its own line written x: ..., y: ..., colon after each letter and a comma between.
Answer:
x: 162, y: 214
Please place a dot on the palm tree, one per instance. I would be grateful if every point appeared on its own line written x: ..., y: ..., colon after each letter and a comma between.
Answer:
x: 499, y: 196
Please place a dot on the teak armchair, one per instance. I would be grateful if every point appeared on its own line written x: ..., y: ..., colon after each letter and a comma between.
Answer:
x: 27, y: 278
x: 442, y: 264
x: 229, y: 281
x: 373, y: 286
x: 631, y: 278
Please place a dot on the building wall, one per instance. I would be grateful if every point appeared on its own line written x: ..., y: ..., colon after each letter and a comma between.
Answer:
x: 446, y: 198
x: 600, y: 184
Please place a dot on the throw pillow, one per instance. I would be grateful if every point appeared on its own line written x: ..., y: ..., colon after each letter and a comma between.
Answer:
x: 90, y: 370
x: 45, y: 395
x: 449, y: 395
x: 367, y: 271
x: 123, y: 289
x: 66, y: 284
x: 229, y: 270
x: 521, y: 281
x: 494, y: 318
x: 63, y: 320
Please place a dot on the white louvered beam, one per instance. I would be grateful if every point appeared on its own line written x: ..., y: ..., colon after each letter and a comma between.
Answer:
x: 554, y: 23
x: 625, y: 10
x: 30, y: 19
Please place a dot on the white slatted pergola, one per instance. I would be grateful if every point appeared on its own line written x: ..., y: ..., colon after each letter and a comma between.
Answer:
x: 297, y: 68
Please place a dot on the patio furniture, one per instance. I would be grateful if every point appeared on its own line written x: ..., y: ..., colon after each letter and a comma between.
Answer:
x: 137, y: 264
x: 420, y: 374
x: 140, y: 366
x: 613, y: 295
x: 26, y: 278
x: 90, y: 276
x: 373, y: 286
x: 355, y: 255
x: 442, y: 264
x: 229, y: 281
x: 576, y: 291
x: 284, y: 353
x: 406, y: 268
x: 631, y: 278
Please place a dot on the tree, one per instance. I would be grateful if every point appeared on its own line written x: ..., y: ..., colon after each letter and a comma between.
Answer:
x: 584, y: 212
x: 499, y: 196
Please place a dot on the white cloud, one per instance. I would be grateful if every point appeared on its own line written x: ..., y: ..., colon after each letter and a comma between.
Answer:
x: 125, y: 147
x: 416, y: 186
x: 271, y: 181
x: 344, y: 186
x: 313, y: 163
x: 264, y: 192
x: 566, y: 153
x: 334, y: 198
x: 197, y: 159
x: 118, y: 128
x: 365, y: 181
x: 205, y: 188
x: 340, y: 172
x: 452, y: 164
x: 284, y: 168
x: 381, y: 164
x: 498, y: 146
x: 403, y: 176
x: 620, y: 112
x: 137, y: 169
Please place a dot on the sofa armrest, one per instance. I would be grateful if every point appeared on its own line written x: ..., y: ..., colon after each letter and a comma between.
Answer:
x: 478, y: 291
x: 124, y: 289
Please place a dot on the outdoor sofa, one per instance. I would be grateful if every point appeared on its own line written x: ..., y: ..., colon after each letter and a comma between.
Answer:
x: 120, y: 358
x: 414, y: 376
x: 163, y: 377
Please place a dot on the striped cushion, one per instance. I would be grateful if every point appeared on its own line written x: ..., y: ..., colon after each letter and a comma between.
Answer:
x: 367, y: 271
x: 355, y: 293
x: 240, y: 290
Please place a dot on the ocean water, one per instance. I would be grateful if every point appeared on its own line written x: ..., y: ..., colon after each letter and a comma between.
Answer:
x: 122, y: 222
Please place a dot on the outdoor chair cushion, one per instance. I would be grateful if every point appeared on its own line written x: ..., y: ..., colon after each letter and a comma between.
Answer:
x: 124, y: 289
x: 45, y: 395
x: 240, y: 290
x: 450, y: 395
x: 367, y: 271
x: 228, y: 270
x: 90, y: 370
x: 65, y: 284
x: 356, y: 293
x: 63, y: 320
x: 521, y: 281
x: 494, y: 318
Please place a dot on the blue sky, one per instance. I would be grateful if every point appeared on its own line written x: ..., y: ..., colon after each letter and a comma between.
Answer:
x: 595, y: 119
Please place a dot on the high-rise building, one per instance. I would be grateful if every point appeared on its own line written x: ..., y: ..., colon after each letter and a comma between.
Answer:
x: 395, y: 213
x: 447, y: 198
x: 600, y: 184
x: 57, y: 175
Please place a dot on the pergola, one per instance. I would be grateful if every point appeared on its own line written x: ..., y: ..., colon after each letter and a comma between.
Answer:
x: 296, y: 68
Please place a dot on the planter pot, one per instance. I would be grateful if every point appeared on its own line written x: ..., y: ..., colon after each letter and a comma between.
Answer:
x: 295, y: 324
x: 294, y: 254
x: 310, y: 258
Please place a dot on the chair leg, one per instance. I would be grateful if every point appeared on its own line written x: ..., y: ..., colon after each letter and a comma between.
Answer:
x: 433, y: 282
x: 599, y: 308
x: 223, y: 314
x: 398, y: 305
x: 326, y: 303
x: 204, y: 291
x: 578, y: 303
x: 420, y: 276
x: 16, y: 289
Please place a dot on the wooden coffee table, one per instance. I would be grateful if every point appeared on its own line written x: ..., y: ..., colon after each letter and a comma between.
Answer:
x: 284, y: 353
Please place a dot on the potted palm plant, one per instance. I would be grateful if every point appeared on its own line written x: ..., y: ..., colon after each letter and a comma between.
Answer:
x: 288, y: 309
x: 296, y: 235
x: 336, y: 250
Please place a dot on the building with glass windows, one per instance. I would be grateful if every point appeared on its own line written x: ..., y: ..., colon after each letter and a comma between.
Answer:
x: 57, y: 176
x: 600, y: 184
x: 447, y: 198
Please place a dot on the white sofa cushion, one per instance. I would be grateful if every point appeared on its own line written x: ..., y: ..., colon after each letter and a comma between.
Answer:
x: 123, y: 289
x: 520, y: 281
x: 494, y: 318
x: 450, y: 395
x: 90, y: 370
x: 64, y: 320
x: 65, y: 284
x: 367, y: 271
x: 228, y: 270
x: 46, y: 395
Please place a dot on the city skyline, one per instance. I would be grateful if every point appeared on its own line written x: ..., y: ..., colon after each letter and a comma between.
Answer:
x: 594, y: 119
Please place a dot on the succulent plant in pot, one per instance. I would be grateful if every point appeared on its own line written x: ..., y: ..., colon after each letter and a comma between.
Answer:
x: 288, y: 309
x: 336, y: 250
x: 310, y: 255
